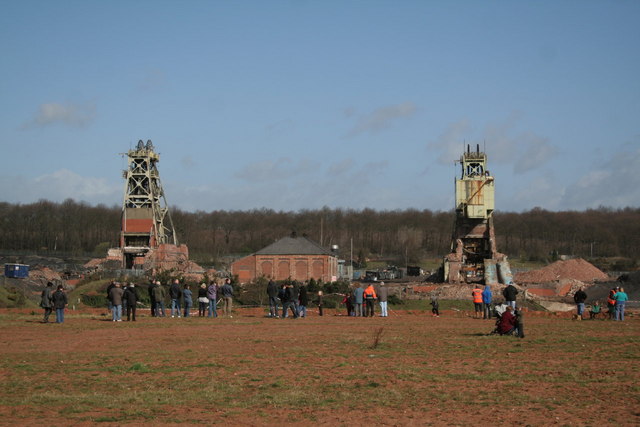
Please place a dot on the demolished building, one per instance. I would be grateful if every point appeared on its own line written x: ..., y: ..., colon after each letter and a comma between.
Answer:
x: 148, y: 239
x: 474, y: 257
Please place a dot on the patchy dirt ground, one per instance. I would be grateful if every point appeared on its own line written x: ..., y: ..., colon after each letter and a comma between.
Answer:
x: 251, y: 370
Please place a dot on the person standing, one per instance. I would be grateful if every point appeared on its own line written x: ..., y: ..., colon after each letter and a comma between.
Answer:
x: 152, y: 298
x: 188, y: 300
x: 109, y: 302
x: 519, y: 322
x: 304, y: 301
x: 295, y: 297
x: 227, y: 296
x: 115, y: 295
x: 611, y: 303
x: 579, y: 298
x: 125, y: 286
x: 45, y: 302
x: 59, y: 301
x: 435, y: 311
x: 159, y: 295
x: 487, y: 296
x: 272, y: 292
x: 510, y: 293
x: 319, y: 303
x: 476, y: 293
x: 383, y: 297
x: 212, y: 296
x: 621, y: 298
x: 369, y: 298
x: 358, y: 296
x: 288, y: 302
x: 131, y: 297
x: 175, y: 293
x: 203, y: 300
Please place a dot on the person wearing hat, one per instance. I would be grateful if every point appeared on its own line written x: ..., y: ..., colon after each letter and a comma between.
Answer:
x: 131, y: 298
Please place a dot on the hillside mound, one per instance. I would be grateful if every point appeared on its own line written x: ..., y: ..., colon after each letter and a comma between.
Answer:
x: 576, y: 269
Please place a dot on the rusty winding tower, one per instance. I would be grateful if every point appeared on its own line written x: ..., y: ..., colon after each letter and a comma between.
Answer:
x: 146, y: 222
x: 474, y: 257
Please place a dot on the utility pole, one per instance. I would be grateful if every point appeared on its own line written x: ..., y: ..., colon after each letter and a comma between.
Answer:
x: 351, y: 259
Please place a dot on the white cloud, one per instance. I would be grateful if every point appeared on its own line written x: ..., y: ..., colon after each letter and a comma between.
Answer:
x: 526, y: 151
x: 275, y: 170
x: 537, y: 152
x: 541, y: 191
x: 450, y: 144
x: 612, y: 182
x: 381, y: 118
x: 73, y: 115
x: 341, y: 167
x: 58, y: 186
x: 187, y: 162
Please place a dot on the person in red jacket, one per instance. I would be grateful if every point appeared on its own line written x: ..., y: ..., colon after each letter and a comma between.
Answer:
x: 507, y: 322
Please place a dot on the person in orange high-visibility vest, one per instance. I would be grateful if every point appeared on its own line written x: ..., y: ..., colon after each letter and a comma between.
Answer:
x: 477, y: 301
x: 369, y: 297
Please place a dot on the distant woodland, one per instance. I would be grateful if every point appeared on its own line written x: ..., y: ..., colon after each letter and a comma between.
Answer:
x: 402, y: 236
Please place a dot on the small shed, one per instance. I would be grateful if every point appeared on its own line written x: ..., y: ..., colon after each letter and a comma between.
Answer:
x: 16, y: 271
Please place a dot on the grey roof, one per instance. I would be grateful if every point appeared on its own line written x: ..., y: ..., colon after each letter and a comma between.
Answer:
x: 294, y: 246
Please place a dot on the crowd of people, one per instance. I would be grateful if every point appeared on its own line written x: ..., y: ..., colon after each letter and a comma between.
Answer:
x: 291, y: 299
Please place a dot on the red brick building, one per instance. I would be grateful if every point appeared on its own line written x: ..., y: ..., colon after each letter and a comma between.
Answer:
x: 298, y: 258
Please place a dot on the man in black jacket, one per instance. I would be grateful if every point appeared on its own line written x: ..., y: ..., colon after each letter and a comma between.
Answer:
x: 304, y: 301
x: 59, y: 300
x: 45, y: 302
x: 152, y: 297
x: 580, y: 297
x: 509, y: 294
x: 175, y: 293
x: 272, y: 291
x: 131, y: 297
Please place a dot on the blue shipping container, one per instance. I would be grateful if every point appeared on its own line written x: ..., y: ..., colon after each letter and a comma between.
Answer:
x: 17, y: 271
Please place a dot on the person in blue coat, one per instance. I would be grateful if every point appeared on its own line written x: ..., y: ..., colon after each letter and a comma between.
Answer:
x: 187, y: 297
x: 486, y: 302
x: 358, y: 296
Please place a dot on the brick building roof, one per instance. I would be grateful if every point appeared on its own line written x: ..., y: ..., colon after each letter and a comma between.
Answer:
x: 294, y: 246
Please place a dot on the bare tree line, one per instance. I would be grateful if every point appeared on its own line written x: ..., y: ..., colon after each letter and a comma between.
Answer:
x: 402, y: 236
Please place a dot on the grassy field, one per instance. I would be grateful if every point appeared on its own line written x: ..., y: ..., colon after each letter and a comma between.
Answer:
x: 407, y: 369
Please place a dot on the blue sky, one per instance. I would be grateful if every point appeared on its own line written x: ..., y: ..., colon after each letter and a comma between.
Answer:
x: 302, y: 104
